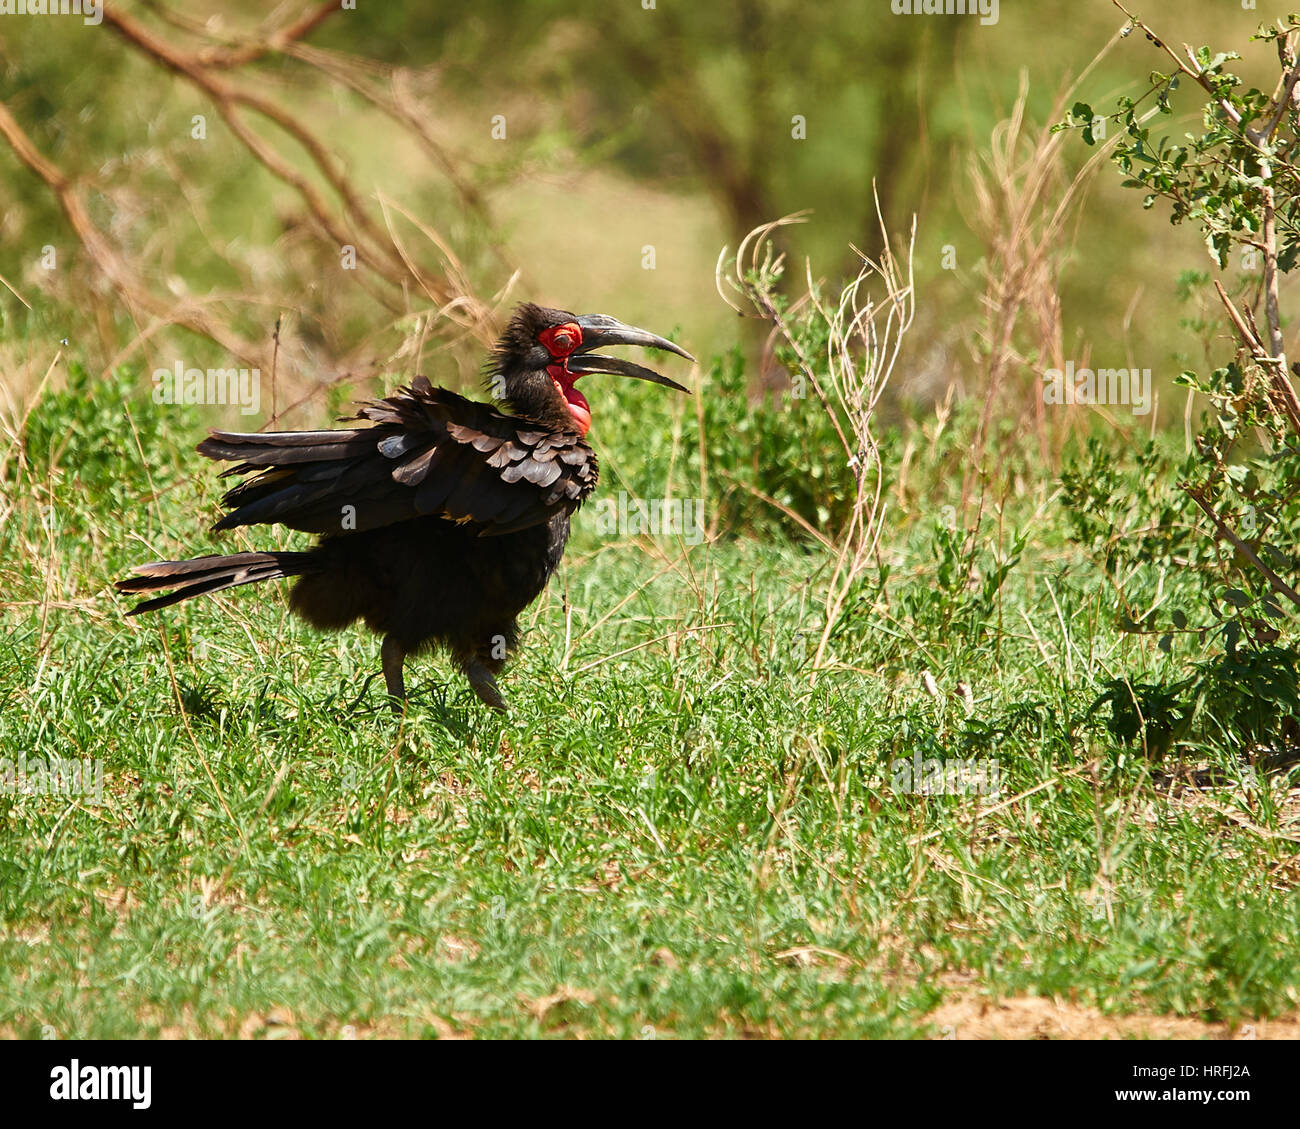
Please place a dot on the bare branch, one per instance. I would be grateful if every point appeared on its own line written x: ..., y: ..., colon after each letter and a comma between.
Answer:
x: 105, y: 256
x: 1279, y: 585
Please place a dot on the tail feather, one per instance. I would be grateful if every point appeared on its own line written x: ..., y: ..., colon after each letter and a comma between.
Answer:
x: 267, y: 448
x: 202, y: 575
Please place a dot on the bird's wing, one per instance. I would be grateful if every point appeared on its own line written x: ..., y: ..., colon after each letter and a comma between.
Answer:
x: 430, y: 452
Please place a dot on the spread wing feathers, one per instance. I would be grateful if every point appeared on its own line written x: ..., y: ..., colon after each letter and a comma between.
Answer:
x: 429, y: 452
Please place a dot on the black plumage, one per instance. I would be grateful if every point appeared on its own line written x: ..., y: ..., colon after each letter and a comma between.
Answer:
x: 438, y: 523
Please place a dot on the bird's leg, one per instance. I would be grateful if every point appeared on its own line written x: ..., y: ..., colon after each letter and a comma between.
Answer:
x: 393, y: 655
x: 481, y: 665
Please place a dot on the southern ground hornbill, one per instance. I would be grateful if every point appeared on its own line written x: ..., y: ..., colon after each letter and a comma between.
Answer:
x: 441, y: 522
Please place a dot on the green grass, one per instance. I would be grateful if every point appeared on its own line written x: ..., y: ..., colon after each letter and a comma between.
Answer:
x: 676, y: 832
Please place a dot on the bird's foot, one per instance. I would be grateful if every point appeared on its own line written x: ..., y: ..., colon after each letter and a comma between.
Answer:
x: 485, y: 686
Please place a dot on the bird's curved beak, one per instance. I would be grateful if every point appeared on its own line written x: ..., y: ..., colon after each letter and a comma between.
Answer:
x: 600, y: 330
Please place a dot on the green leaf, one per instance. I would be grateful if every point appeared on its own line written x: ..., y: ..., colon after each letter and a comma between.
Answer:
x: 1275, y: 557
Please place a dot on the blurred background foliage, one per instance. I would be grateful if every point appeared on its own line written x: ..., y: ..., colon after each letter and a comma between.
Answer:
x: 625, y: 129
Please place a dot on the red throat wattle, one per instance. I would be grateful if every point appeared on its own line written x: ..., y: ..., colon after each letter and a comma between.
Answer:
x: 578, y: 406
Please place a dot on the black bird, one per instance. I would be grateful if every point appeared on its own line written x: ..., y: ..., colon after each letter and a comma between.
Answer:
x: 441, y: 522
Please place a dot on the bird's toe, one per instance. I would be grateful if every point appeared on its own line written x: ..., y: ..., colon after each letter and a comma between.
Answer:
x: 485, y: 686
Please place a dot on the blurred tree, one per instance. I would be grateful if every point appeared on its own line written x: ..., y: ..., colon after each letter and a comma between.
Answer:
x: 771, y: 106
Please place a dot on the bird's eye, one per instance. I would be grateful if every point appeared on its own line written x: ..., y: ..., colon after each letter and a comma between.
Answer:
x: 561, y: 340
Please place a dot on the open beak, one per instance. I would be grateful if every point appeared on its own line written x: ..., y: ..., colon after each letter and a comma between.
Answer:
x: 601, y: 330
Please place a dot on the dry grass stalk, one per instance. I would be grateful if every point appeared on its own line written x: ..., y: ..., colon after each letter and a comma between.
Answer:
x: 866, y: 324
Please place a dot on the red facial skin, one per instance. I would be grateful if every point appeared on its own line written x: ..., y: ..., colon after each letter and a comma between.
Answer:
x: 560, y: 341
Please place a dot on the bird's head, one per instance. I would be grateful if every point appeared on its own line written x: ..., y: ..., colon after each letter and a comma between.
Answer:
x: 544, y: 352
